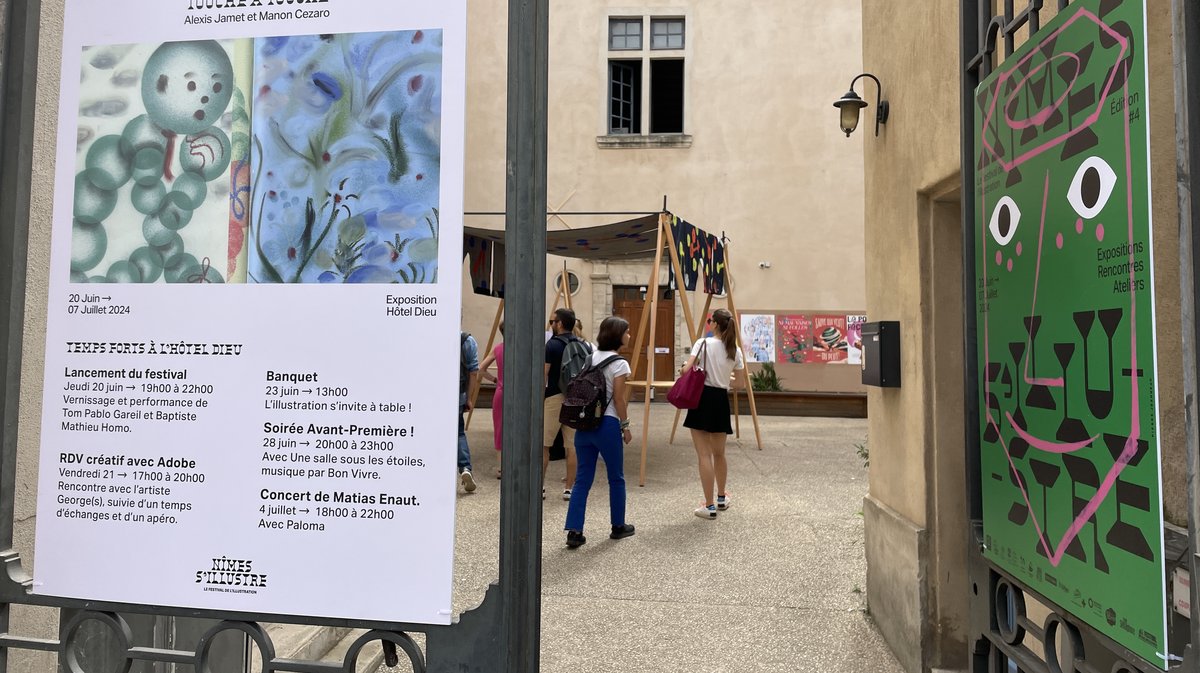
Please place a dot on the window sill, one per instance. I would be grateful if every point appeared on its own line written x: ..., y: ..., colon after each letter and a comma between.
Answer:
x: 652, y: 141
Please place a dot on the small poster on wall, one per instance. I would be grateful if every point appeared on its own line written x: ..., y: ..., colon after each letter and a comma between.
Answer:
x: 828, y: 339
x: 793, y: 337
x: 758, y: 337
x: 854, y: 325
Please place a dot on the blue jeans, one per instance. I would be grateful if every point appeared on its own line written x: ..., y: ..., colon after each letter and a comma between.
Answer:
x: 604, y: 442
x: 464, y: 451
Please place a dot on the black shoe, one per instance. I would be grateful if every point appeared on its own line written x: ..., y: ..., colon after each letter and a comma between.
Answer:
x: 619, y: 532
x: 575, y: 539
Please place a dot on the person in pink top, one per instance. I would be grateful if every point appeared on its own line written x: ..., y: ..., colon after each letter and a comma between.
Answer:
x: 497, y: 357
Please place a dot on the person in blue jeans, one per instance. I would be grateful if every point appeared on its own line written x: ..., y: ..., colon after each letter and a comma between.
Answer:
x: 468, y: 374
x: 607, y: 441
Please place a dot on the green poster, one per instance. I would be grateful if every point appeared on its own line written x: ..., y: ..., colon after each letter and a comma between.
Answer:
x: 1065, y: 308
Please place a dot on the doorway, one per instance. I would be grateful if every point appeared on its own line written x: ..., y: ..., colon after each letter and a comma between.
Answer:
x: 628, y: 303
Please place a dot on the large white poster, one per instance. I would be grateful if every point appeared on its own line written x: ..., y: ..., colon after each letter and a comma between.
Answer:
x: 252, y: 351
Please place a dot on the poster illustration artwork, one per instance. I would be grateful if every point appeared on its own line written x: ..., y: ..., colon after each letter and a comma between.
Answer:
x: 1065, y: 308
x: 291, y: 159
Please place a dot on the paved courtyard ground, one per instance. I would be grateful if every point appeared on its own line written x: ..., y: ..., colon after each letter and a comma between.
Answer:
x: 776, y: 583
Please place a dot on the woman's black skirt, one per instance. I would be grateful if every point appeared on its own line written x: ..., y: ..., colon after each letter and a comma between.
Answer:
x: 713, y: 413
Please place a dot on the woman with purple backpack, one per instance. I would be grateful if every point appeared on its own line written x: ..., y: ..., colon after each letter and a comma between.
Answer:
x: 607, y: 441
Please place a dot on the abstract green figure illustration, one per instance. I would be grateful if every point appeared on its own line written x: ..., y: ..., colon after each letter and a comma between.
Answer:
x: 1066, y: 323
x: 164, y: 163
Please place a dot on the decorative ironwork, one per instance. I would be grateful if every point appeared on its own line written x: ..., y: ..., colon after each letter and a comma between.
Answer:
x: 1004, y: 638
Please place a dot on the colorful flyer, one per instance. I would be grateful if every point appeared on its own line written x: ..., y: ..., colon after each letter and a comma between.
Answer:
x: 1070, y: 463
x: 758, y: 337
x: 250, y: 351
x: 793, y: 341
x: 854, y: 325
x: 829, y: 342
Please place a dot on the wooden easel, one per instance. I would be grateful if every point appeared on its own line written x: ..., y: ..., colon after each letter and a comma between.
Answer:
x: 650, y: 316
x: 562, y: 293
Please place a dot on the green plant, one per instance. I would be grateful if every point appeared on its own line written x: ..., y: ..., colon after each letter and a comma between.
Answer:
x: 766, y: 380
x: 864, y: 453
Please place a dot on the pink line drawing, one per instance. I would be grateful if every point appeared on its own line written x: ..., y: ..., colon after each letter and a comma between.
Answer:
x: 1088, y: 121
x: 1055, y: 554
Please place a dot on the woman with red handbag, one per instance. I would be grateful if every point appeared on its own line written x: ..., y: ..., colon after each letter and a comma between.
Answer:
x: 722, y: 362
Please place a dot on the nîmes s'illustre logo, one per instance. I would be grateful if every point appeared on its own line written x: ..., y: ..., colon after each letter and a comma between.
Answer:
x: 232, y: 576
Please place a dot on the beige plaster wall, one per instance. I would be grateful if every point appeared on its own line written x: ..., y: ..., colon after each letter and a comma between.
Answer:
x: 913, y: 50
x: 767, y: 164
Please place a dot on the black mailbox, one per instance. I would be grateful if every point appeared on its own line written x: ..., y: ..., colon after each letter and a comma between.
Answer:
x: 881, y: 354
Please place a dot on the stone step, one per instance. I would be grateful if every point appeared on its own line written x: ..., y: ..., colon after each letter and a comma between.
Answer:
x: 370, y: 659
x: 308, y: 643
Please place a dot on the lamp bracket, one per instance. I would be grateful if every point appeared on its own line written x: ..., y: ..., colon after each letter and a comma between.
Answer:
x: 881, y: 104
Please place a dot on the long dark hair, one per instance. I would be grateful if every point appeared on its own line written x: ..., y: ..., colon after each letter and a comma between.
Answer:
x: 723, y: 319
x: 611, y: 331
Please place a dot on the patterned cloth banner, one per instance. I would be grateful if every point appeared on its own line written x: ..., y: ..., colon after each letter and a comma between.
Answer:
x: 485, y: 264
x: 701, y: 255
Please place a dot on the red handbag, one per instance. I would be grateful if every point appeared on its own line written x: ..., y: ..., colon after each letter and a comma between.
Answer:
x: 685, y: 393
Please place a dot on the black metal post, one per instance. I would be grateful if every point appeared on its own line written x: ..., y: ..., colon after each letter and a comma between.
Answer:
x: 18, y: 75
x: 524, y: 357
x: 970, y: 41
x: 1186, y: 16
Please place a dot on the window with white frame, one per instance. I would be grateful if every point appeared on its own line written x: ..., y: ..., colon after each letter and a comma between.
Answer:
x: 645, y: 79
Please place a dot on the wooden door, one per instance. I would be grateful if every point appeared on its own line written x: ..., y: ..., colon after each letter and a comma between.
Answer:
x: 628, y: 303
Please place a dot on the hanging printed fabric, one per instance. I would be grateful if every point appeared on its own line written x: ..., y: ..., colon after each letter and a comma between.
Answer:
x: 700, y: 255
x: 714, y: 265
x: 688, y: 250
x: 485, y: 263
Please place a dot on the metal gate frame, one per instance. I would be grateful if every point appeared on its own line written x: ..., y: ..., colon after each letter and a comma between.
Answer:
x: 504, y: 632
x: 999, y: 627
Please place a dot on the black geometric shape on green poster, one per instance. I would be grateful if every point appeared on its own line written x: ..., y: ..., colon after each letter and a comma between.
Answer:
x: 1047, y: 47
x: 1120, y: 75
x: 998, y: 147
x: 1014, y: 178
x: 1110, y: 319
x: 1040, y: 549
x: 1018, y: 513
x: 1017, y: 448
x: 1030, y: 134
x: 1100, y: 401
x: 1082, y: 141
x: 1083, y: 323
x: 1081, y: 101
x: 1045, y: 474
x: 1081, y: 471
x: 1133, y: 495
x: 1039, y: 397
x: 1085, y: 56
x: 1056, y: 118
x: 1130, y: 538
x: 1038, y: 88
x: 1116, y: 446
x: 1075, y: 550
x: 1107, y: 6
x: 1006, y: 379
x: 1098, y: 557
x: 991, y: 433
x: 1068, y: 70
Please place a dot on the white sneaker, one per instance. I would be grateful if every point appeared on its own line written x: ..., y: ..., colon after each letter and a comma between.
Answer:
x: 706, y: 512
x: 567, y: 494
x: 468, y: 482
x: 723, y: 502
